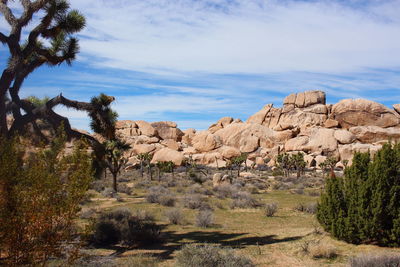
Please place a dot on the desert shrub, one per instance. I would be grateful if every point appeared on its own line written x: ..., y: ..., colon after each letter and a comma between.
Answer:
x: 108, y: 192
x: 167, y: 200
x: 195, y: 189
x: 270, y: 209
x: 205, y: 218
x: 225, y: 190
x: 174, y: 216
x: 383, y: 260
x: 243, y: 199
x: 194, y: 201
x: 40, y: 195
x: 123, y: 188
x: 87, y: 213
x: 297, y: 191
x: 160, y: 195
x: 97, y: 185
x: 207, y: 255
x: 309, y: 208
x: 323, y: 251
x: 364, y: 205
x: 120, y: 226
x: 260, y: 185
x: 252, y: 189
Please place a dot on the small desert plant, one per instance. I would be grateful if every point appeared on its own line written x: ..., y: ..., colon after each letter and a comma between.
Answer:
x: 309, y: 208
x: 167, y: 200
x: 123, y: 188
x: 323, y: 251
x: 271, y: 209
x: 108, y: 192
x: 194, y: 201
x: 205, y: 218
x: 225, y: 190
x: 244, y: 200
x: 120, y: 226
x: 174, y: 216
x: 383, y: 260
x: 160, y: 195
x: 207, y: 255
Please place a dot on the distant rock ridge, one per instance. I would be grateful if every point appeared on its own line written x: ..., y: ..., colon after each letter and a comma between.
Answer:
x: 305, y: 123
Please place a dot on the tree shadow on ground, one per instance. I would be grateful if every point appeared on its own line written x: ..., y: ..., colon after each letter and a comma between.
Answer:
x: 174, y: 241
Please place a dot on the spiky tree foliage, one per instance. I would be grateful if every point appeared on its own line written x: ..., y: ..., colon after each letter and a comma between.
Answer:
x: 145, y: 160
x: 297, y: 162
x: 284, y: 163
x: 238, y: 161
x: 114, y: 157
x: 363, y: 206
x: 103, y: 120
x: 50, y: 41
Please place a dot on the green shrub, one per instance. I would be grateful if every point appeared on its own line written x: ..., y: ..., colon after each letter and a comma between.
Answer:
x: 120, y: 226
x: 207, y: 255
x: 40, y: 196
x: 364, y: 205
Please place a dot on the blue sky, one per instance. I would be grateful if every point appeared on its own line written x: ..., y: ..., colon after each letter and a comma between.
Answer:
x: 194, y: 61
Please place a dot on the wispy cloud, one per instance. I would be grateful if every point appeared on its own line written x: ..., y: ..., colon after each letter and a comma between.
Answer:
x: 194, y: 61
x: 242, y: 36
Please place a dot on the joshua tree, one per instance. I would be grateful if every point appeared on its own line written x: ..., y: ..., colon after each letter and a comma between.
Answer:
x: 114, y: 158
x: 50, y: 42
x: 331, y: 164
x: 298, y: 163
x: 165, y: 166
x: 238, y: 161
x: 143, y: 158
x: 284, y: 163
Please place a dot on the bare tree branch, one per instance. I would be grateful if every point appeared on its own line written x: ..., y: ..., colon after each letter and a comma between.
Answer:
x: 8, y: 15
x: 3, y: 38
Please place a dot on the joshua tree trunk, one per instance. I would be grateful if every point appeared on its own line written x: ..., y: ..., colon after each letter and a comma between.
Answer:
x: 115, y: 181
x: 141, y: 168
x: 238, y: 173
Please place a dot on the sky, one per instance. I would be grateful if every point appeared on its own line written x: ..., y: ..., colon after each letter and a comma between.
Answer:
x: 195, y: 61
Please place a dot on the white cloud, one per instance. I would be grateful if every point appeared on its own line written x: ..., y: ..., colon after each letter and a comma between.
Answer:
x: 244, y: 37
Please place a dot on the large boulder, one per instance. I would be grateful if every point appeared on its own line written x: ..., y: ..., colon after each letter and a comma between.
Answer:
x: 168, y: 130
x: 344, y: 137
x: 320, y: 140
x: 143, y: 148
x: 223, y: 122
x: 260, y: 116
x: 205, y: 141
x: 247, y: 137
x: 361, y: 112
x: 229, y: 152
x: 305, y: 99
x: 167, y: 154
x: 297, y: 144
x: 373, y: 134
x: 346, y: 152
x: 145, y: 128
x: 188, y: 135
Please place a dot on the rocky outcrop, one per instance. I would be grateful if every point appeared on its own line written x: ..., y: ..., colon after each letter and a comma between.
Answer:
x: 362, y: 112
x: 305, y: 123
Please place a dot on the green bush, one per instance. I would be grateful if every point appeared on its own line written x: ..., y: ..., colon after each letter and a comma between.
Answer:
x: 363, y: 206
x: 207, y: 255
x: 40, y: 196
x: 121, y: 226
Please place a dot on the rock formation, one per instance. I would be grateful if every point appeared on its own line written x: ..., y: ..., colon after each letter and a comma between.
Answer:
x: 305, y: 123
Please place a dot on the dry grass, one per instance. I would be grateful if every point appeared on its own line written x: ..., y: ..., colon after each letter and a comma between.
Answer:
x: 268, y: 241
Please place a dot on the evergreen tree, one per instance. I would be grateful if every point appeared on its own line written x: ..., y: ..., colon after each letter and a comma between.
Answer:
x: 363, y: 206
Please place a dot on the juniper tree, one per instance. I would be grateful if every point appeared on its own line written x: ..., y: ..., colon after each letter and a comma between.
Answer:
x: 363, y: 206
